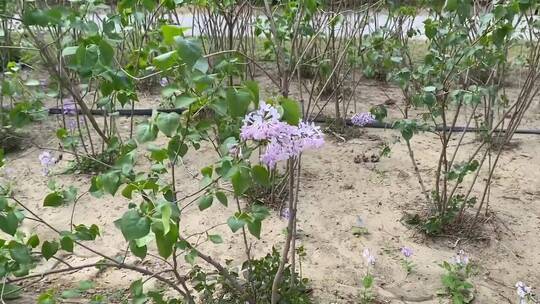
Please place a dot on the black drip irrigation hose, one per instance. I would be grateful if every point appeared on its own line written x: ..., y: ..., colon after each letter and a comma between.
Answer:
x: 374, y: 125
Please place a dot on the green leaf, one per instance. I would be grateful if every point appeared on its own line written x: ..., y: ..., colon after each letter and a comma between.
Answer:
x: 49, y: 249
x: 69, y: 51
x: 20, y: 253
x: 33, y: 241
x: 254, y: 228
x: 111, y: 182
x: 128, y: 191
x: 260, y: 175
x: 35, y: 17
x: 222, y: 198
x: 201, y: 65
x: 95, y: 187
x: 166, y: 216
x: 106, y: 53
x: 253, y: 87
x: 238, y: 102
x: 54, y: 199
x: 139, y: 252
x: 235, y: 223
x: 134, y: 226
x: 259, y: 212
x: 66, y: 243
x: 146, y: 132
x: 190, y: 257
x: 215, y: 238
x: 168, y: 123
x: 165, y: 60
x: 379, y: 112
x: 241, y: 181
x: 205, y: 202
x: 451, y: 5
x: 85, y: 285
x: 11, y: 292
x: 176, y: 148
x: 170, y: 32
x: 70, y: 294
x: 165, y: 242
x: 9, y: 223
x: 291, y: 111
x: 46, y: 298
x: 189, y: 50
x: 184, y: 101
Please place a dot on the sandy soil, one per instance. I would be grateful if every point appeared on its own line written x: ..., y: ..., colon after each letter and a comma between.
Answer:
x: 335, y: 192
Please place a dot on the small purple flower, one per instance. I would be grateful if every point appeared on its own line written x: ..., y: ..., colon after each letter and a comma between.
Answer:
x: 362, y: 119
x: 72, y: 125
x: 524, y: 292
x: 407, y: 252
x: 461, y: 258
x: 368, y: 257
x: 69, y: 108
x: 163, y: 81
x: 47, y: 161
x: 286, y: 213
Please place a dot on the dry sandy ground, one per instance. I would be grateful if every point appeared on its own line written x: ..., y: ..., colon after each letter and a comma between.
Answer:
x: 335, y: 191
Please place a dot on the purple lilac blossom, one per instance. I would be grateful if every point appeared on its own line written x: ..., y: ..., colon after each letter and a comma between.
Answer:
x: 407, y: 252
x: 312, y: 137
x: 362, y: 119
x: 47, y: 161
x: 523, y: 292
x: 368, y: 257
x: 69, y: 108
x: 461, y: 258
x: 284, y: 144
x: 261, y: 124
x: 286, y: 213
x: 72, y: 125
x: 283, y: 140
x: 163, y: 81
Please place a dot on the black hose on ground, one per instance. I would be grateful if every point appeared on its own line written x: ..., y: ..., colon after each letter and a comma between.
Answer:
x: 375, y: 125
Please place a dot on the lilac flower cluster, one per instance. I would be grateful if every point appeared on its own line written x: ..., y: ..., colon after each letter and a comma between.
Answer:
x: 69, y: 107
x: 461, y: 258
x: 368, y: 257
x: 524, y: 292
x: 47, y: 161
x: 406, y: 251
x: 164, y: 81
x: 362, y: 119
x: 284, y: 140
x: 262, y: 124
